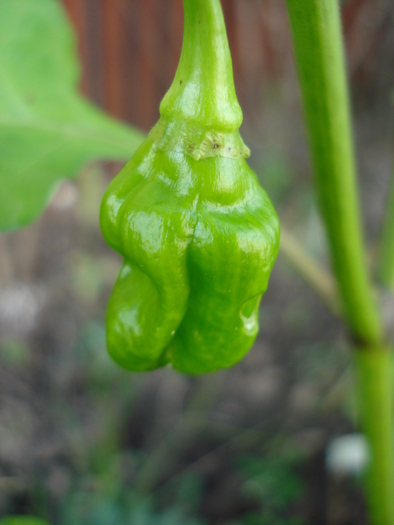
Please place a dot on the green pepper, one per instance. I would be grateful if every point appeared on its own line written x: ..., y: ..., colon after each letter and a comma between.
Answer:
x: 198, y: 234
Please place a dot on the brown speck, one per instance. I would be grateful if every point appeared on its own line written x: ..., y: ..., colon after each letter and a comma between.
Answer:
x: 215, y: 146
x: 180, y: 81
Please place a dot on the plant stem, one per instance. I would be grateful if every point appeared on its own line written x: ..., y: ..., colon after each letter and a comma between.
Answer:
x: 200, y: 114
x: 6, y: 266
x: 318, y: 49
x: 386, y: 256
x: 320, y: 280
x: 374, y: 382
x: 204, y: 67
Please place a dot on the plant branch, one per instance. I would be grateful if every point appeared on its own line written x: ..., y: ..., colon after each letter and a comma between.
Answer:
x: 319, y: 279
x: 319, y: 56
x: 6, y: 266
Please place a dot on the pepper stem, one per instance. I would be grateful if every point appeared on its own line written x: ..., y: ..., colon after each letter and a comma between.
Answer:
x: 200, y: 114
x: 203, y: 90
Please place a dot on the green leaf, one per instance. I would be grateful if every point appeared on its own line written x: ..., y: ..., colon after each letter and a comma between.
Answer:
x: 22, y: 520
x: 47, y: 131
x: 271, y: 480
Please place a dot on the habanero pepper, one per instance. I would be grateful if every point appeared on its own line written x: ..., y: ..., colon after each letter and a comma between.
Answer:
x: 198, y: 234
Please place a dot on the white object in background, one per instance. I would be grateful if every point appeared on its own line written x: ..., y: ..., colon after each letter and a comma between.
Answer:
x: 20, y: 304
x: 347, y: 455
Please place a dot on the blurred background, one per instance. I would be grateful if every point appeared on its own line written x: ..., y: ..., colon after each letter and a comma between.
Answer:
x: 82, y: 441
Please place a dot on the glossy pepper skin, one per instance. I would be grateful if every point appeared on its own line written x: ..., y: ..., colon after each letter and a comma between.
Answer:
x: 198, y: 234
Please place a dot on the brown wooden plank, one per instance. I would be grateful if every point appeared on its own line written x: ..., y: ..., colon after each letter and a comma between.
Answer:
x: 76, y: 10
x: 230, y: 15
x: 147, y: 43
x: 176, y: 34
x: 94, y: 60
x: 112, y: 55
x: 268, y: 54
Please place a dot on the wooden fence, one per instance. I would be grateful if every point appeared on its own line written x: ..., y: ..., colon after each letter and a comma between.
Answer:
x: 130, y: 48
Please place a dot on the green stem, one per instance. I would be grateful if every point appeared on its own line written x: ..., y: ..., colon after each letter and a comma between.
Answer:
x: 200, y: 114
x: 386, y: 256
x: 6, y: 266
x: 374, y: 381
x: 318, y: 49
x: 319, y: 54
x: 204, y: 68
